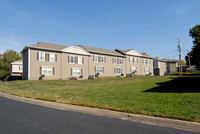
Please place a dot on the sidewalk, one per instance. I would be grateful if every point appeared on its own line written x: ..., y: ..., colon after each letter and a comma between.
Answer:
x: 178, y: 124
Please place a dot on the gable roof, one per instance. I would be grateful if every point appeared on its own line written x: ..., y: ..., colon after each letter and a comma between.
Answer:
x: 49, y: 46
x: 135, y: 53
x: 17, y: 62
x: 101, y: 51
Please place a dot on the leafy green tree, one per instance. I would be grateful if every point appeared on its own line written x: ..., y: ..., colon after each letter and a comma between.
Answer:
x: 195, y: 53
x: 145, y: 54
x: 5, y: 60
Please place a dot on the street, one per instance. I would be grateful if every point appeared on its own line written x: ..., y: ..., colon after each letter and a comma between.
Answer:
x: 24, y: 118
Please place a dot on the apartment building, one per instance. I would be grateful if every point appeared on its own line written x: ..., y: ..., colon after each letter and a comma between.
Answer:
x: 164, y: 66
x: 51, y: 61
x: 136, y: 62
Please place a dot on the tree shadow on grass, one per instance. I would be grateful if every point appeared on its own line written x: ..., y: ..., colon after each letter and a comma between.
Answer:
x: 178, y: 85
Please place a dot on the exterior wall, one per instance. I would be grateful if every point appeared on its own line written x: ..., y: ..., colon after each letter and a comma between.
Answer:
x: 137, y: 65
x: 173, y: 67
x: 143, y: 66
x: 109, y: 66
x: 163, y: 68
x: 62, y: 66
x: 25, y: 65
x: 16, y: 69
x: 66, y: 66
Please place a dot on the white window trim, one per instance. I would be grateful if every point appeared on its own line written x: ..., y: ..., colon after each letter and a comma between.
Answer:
x: 121, y: 60
x: 70, y: 59
x: 118, y: 68
x: 115, y: 58
x: 47, y: 70
x: 99, y: 67
x: 145, y: 62
x: 44, y: 56
x: 76, y: 69
x: 148, y: 62
x: 135, y: 59
x: 145, y: 70
x: 97, y: 58
x: 131, y: 61
x: 50, y: 57
x: 81, y: 60
x: 132, y: 68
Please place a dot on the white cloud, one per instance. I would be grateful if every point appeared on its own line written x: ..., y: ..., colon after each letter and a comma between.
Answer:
x: 180, y: 10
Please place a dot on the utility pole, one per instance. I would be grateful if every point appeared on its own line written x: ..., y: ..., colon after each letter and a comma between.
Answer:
x: 180, y: 66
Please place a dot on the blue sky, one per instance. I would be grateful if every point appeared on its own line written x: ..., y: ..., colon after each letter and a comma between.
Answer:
x: 151, y: 26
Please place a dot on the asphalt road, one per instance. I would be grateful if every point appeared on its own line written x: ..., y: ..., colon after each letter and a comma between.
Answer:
x: 24, y: 118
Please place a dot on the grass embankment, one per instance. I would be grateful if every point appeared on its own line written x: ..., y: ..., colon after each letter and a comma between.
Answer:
x: 171, y: 97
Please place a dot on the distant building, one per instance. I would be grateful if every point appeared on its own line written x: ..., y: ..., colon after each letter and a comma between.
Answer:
x: 164, y: 66
x: 16, y: 70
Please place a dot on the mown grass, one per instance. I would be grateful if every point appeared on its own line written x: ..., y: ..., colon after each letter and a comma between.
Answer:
x: 170, y: 97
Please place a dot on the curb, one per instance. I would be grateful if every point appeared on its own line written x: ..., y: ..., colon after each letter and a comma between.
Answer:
x: 164, y: 122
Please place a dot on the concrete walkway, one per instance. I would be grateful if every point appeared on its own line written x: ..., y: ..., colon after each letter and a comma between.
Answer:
x: 178, y: 124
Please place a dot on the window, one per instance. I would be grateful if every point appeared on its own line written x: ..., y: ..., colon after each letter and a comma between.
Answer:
x: 47, y: 70
x: 133, y: 69
x: 79, y: 60
x: 99, y: 69
x: 136, y: 60
x: 95, y: 58
x: 41, y: 56
x: 20, y: 68
x: 118, y: 70
x: 131, y: 59
x: 102, y: 58
x: 147, y: 70
x: 76, y: 71
x: 144, y: 61
x: 71, y: 59
x: 115, y: 60
x: 120, y: 60
x: 148, y: 62
x: 52, y: 57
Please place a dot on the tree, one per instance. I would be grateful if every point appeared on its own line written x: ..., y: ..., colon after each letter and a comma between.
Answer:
x: 145, y: 54
x: 195, y: 53
x: 5, y: 60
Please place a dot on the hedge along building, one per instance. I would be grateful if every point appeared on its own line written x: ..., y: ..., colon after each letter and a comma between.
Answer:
x: 64, y: 62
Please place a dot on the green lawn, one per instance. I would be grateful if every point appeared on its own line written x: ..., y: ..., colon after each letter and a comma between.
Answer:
x: 171, y: 97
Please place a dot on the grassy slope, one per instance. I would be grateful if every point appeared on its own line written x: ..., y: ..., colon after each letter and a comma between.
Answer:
x: 171, y: 97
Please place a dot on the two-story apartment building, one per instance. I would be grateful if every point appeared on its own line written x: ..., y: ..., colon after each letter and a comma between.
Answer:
x: 136, y: 62
x: 64, y: 62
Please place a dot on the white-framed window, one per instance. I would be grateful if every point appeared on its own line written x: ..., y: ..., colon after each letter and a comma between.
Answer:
x: 115, y: 60
x: 99, y: 69
x: 120, y: 60
x: 145, y: 61
x: 102, y: 59
x: 80, y: 60
x: 96, y: 59
x: 148, y: 62
x: 47, y: 70
x: 52, y: 57
x: 131, y: 59
x: 118, y: 70
x: 146, y: 70
x: 136, y: 60
x: 76, y: 71
x: 71, y: 59
x: 41, y: 56
x: 133, y: 69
